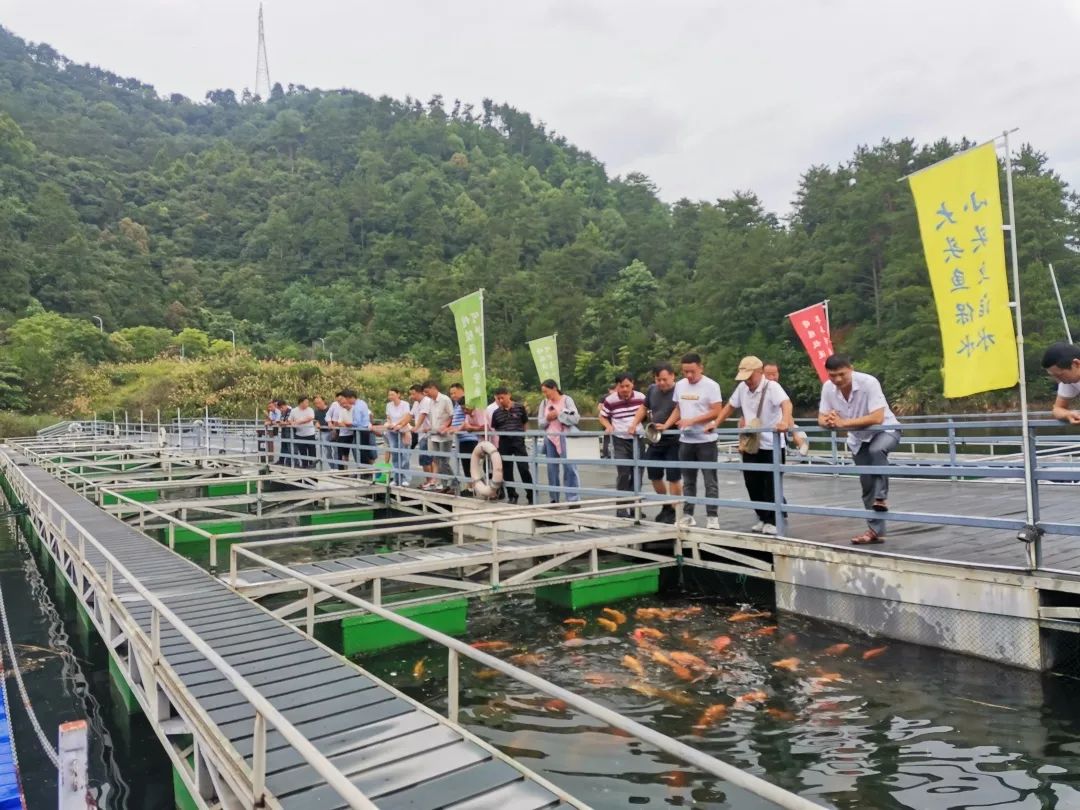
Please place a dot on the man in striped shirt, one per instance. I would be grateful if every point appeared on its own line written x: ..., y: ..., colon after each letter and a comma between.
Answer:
x: 617, y: 412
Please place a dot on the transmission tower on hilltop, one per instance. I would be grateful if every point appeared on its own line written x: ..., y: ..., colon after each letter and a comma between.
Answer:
x: 262, y: 67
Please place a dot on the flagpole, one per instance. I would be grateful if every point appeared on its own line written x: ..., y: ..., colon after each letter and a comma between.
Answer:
x: 828, y: 326
x: 1031, y: 533
x: 1061, y: 306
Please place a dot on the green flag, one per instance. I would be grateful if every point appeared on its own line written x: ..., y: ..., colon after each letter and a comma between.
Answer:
x: 546, y: 357
x: 469, y: 318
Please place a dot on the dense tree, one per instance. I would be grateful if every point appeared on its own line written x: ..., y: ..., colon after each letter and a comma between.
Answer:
x: 335, y: 215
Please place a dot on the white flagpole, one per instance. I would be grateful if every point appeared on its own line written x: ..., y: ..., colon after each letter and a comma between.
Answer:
x: 1061, y: 306
x: 828, y: 326
x: 1031, y: 534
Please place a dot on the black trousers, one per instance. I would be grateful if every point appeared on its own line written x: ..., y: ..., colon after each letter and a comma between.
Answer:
x: 344, y: 447
x: 305, y: 447
x: 759, y: 483
x: 513, y: 449
x: 465, y: 447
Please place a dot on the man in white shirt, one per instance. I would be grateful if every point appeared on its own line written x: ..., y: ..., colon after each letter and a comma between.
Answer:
x: 421, y: 413
x: 697, y: 401
x: 303, y: 422
x: 333, y: 417
x: 853, y: 401
x: 763, y: 404
x: 441, y: 439
x: 1062, y: 362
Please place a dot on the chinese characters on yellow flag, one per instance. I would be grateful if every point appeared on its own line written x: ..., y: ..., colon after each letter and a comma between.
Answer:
x: 545, y: 355
x: 469, y: 319
x: 959, y: 209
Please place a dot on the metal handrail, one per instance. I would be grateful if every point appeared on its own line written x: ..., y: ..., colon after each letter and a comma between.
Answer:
x: 456, y: 648
x: 265, y: 711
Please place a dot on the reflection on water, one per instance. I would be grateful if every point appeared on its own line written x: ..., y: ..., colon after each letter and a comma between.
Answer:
x: 907, y: 727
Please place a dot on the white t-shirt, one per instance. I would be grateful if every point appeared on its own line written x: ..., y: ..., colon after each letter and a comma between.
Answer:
x: 395, y: 413
x: 306, y: 430
x: 696, y: 399
x: 771, y: 411
x: 422, y: 407
x: 1068, y: 390
x: 345, y: 415
x: 866, y: 397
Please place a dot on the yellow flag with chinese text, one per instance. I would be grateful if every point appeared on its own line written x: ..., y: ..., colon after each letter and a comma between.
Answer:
x: 959, y: 209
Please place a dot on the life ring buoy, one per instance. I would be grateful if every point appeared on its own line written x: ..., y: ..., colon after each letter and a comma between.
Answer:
x: 487, y: 487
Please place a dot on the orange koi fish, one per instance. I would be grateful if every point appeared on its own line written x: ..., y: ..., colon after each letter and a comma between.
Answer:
x: 874, y: 653
x: 599, y: 678
x: 527, y: 659
x: 616, y: 616
x: 721, y: 643
x: 608, y: 625
x: 487, y: 674
x: 789, y: 664
x: 747, y: 616
x: 493, y: 646
x: 779, y: 714
x: 647, y: 633
x: 836, y: 649
x: 418, y: 669
x: 757, y: 696
x: 669, y: 695
x: 681, y: 672
x: 710, y: 717
x: 555, y: 705
x: 689, y: 660
x: 766, y: 631
x: 633, y: 665
x: 574, y: 622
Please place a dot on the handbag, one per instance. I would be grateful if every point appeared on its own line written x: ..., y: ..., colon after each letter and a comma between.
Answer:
x: 750, y: 443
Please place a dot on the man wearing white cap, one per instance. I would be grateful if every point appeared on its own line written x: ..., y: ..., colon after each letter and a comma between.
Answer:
x: 764, y: 404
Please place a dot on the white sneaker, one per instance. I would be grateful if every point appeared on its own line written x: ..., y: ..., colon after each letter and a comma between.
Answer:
x: 687, y: 520
x: 712, y: 523
x: 758, y: 527
x: 768, y: 529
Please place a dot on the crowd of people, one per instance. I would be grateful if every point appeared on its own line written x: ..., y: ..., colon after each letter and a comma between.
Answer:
x: 671, y: 427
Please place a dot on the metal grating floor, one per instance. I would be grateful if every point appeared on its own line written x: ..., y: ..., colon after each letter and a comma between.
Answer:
x: 399, y: 754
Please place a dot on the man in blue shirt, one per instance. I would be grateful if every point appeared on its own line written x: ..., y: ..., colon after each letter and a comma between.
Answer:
x: 365, y: 451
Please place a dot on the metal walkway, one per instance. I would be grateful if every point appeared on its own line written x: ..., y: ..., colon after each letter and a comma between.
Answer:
x: 391, y: 748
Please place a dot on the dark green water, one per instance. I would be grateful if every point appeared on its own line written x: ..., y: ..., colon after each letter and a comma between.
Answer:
x: 67, y: 678
x: 910, y: 728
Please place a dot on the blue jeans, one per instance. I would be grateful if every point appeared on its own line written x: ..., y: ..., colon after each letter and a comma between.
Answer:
x: 566, y: 472
x: 399, y: 456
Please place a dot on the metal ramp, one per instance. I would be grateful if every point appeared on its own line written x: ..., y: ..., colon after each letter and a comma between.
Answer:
x: 210, y: 669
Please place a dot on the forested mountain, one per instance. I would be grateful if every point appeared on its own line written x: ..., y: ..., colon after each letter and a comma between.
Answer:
x: 332, y: 214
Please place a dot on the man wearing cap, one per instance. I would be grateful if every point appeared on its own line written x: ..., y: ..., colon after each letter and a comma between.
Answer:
x: 853, y: 401
x: 764, y: 404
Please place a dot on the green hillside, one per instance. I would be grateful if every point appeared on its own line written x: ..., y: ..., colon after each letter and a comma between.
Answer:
x: 332, y: 214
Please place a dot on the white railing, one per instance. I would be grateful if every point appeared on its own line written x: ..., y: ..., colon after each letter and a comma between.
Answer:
x: 456, y: 649
x: 59, y: 521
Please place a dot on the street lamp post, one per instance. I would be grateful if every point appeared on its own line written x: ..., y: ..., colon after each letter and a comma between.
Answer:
x: 323, y: 342
x: 100, y: 323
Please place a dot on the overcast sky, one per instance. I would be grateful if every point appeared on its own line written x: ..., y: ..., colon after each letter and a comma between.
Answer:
x: 704, y: 97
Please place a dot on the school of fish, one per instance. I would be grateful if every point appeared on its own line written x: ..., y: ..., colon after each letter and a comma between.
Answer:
x: 675, y: 666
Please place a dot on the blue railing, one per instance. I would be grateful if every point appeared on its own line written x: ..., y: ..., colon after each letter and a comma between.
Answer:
x: 946, y: 448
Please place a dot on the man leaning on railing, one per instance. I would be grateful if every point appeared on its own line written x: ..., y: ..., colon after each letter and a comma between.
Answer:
x: 1062, y: 362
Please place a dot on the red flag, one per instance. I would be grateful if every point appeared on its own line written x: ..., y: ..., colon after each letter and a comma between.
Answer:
x: 812, y: 327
